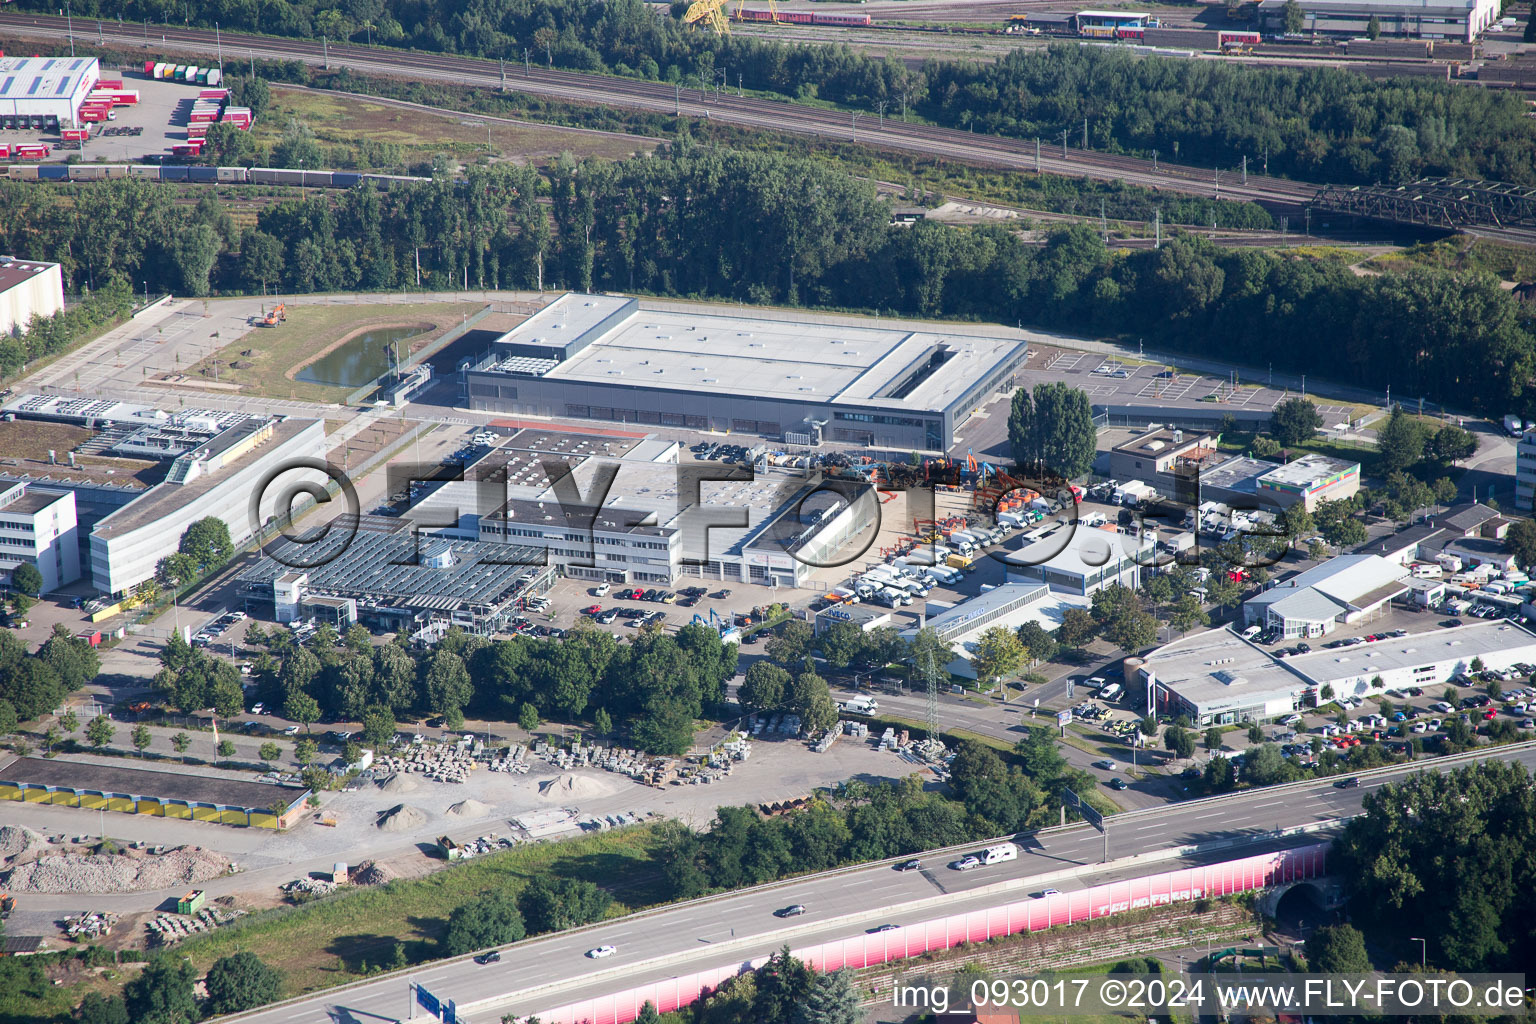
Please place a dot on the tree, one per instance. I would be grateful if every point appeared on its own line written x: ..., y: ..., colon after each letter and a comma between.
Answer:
x: 1052, y: 432
x: 1077, y: 628
x: 8, y: 720
x: 1213, y: 738
x: 998, y: 653
x: 490, y: 920
x: 449, y: 688
x: 226, y: 749
x: 1220, y: 774
x: 240, y: 982
x: 96, y: 1008
x: 1317, y: 551
x: 1255, y: 734
x: 302, y: 708
x: 764, y: 688
x: 1187, y: 614
x: 554, y: 904
x: 99, y: 733
x: 27, y: 579
x: 305, y: 751
x: 1181, y: 742
x: 1038, y: 644
x: 207, y: 541
x: 1337, y: 949
x: 1373, y: 28
x: 1295, y: 520
x: 832, y: 999
x: 1521, y: 541
x: 141, y: 738
x: 1294, y: 421
x: 840, y: 643
x: 648, y: 1014
x: 378, y: 726
x: 1400, y: 441
x: 602, y: 723
x: 791, y: 643
x: 163, y: 993
x: 68, y: 721
x: 270, y: 751
x: 527, y: 717
x: 1294, y: 17
x: 1451, y: 444
x: 179, y: 743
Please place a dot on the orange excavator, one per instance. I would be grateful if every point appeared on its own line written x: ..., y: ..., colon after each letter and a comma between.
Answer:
x: 278, y: 314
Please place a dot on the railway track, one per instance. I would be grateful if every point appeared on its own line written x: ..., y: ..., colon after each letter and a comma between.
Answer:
x: 750, y: 112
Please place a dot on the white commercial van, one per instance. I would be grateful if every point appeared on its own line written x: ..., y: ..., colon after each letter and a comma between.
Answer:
x: 1111, y: 692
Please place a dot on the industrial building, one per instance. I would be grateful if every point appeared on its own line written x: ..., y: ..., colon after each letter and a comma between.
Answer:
x: 38, y: 527
x: 603, y: 357
x: 1078, y: 560
x: 215, y: 463
x: 222, y: 799
x: 1349, y: 588
x: 1218, y: 678
x: 388, y: 574
x: 1309, y: 481
x: 28, y: 288
x: 50, y: 88
x: 1009, y: 606
x: 1462, y: 20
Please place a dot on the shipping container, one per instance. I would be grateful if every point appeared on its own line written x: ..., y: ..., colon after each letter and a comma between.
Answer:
x: 202, y: 173
x: 232, y: 174
x: 75, y: 134
x: 149, y: 69
x: 53, y: 172
x: 346, y: 179
x: 216, y: 95
x: 170, y: 173
x: 215, y: 76
x: 31, y: 152
x: 110, y: 83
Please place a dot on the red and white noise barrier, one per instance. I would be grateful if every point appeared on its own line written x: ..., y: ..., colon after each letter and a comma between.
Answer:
x: 1246, y: 874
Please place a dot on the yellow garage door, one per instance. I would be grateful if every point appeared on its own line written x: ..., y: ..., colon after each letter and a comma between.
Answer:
x: 233, y: 816
x: 65, y: 798
x: 10, y: 791
x: 120, y: 803
x: 177, y: 809
x: 151, y: 806
x: 202, y: 812
x: 263, y: 819
x: 37, y: 795
x: 93, y: 801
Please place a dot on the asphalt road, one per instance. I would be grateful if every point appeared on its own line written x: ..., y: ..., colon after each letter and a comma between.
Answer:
x: 555, y: 970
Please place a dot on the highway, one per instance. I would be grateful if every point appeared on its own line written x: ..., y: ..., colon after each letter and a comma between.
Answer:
x: 540, y: 973
x: 656, y: 97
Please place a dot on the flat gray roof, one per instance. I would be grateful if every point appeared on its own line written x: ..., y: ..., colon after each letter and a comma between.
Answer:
x: 783, y: 358
x: 1307, y: 470
x: 192, y: 787
x: 42, y: 78
x: 1460, y: 643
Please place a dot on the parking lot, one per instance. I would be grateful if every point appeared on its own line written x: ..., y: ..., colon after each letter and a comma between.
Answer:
x: 146, y: 129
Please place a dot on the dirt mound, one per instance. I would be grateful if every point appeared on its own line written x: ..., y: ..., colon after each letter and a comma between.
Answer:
x: 402, y: 818
x: 578, y: 787
x: 16, y: 840
x: 471, y: 808
x: 371, y: 872
x: 399, y: 783
x: 109, y: 873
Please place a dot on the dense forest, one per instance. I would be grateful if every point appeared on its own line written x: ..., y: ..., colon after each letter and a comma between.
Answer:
x: 1320, y: 124
x: 1453, y: 853
x: 768, y: 228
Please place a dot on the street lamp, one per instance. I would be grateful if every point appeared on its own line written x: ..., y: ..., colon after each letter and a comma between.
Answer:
x: 1423, y: 950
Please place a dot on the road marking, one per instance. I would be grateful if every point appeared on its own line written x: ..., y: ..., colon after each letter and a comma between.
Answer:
x: 1214, y: 814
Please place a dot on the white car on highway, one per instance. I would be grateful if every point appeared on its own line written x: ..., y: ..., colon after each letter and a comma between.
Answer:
x: 601, y: 951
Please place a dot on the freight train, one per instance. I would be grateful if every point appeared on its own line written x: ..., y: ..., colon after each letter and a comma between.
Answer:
x: 807, y: 18
x: 209, y: 175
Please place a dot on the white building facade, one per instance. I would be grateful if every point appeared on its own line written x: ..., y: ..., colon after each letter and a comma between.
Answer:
x: 39, y: 529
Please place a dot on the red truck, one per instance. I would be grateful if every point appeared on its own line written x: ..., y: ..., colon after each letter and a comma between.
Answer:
x: 31, y: 152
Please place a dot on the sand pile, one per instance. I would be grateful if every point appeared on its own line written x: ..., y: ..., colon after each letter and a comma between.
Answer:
x: 109, y: 873
x: 471, y: 808
x: 371, y: 872
x: 16, y: 840
x: 575, y: 787
x: 402, y: 818
x: 399, y: 783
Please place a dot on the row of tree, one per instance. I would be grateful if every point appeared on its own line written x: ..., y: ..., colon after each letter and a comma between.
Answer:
x: 798, y: 232
x: 649, y: 691
x: 33, y: 684
x: 164, y: 992
x: 1322, y: 124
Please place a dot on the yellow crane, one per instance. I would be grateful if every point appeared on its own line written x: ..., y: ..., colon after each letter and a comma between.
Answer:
x: 712, y: 13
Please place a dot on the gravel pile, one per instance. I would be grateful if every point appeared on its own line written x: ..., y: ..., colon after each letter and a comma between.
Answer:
x: 575, y: 787
x: 109, y: 873
x: 16, y: 840
x: 371, y: 872
x: 471, y: 808
x: 399, y: 783
x: 402, y: 818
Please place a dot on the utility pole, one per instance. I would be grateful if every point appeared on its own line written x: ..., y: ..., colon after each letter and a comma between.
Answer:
x: 325, y: 50
x: 677, y: 98
x: 1154, y: 161
x: 219, y: 44
x: 100, y: 38
x: 69, y: 20
x: 1157, y: 228
x: 1037, y: 154
x: 1103, y: 223
x: 932, y: 710
x: 1266, y: 159
x: 503, y: 74
x: 527, y: 68
x: 1245, y: 170
x: 854, y: 122
x: 1064, y: 143
x: 1085, y: 133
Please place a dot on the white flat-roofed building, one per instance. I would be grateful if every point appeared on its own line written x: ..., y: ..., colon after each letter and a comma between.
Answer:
x: 1009, y: 606
x: 607, y: 358
x: 48, y: 87
x: 1217, y: 678
x: 28, y: 288
x: 39, y: 528
x: 1349, y: 588
x: 1309, y: 480
x: 1461, y: 20
x: 1077, y: 560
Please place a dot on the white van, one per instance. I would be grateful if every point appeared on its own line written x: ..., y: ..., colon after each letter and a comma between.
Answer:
x: 1111, y: 692
x: 999, y: 853
x: 1251, y: 632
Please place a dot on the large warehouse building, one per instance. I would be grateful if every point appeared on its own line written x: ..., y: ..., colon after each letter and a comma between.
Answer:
x: 52, y: 88
x: 1461, y: 20
x: 603, y: 357
x: 27, y: 289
